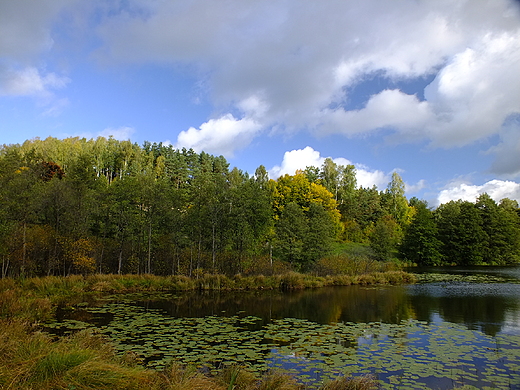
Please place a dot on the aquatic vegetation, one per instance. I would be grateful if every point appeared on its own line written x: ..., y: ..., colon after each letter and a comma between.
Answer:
x: 366, y: 382
x: 33, y: 360
x: 411, y: 354
x: 432, y: 277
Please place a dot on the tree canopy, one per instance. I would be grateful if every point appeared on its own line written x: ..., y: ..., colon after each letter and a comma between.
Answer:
x: 101, y: 205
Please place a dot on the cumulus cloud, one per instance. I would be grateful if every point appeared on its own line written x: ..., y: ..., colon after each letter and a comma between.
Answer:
x: 120, y: 133
x: 388, y: 109
x: 25, y: 34
x: 291, y: 66
x: 29, y: 82
x: 223, y: 135
x: 299, y: 159
x: 496, y: 189
x: 302, y: 58
x: 507, y: 151
x: 414, y: 188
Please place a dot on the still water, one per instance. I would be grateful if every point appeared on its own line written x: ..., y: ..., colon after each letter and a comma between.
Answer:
x: 456, y: 327
x: 485, y: 299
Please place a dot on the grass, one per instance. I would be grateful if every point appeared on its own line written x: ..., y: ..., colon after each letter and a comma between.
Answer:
x: 352, y: 383
x: 35, y: 299
x: 71, y: 287
x: 30, y: 359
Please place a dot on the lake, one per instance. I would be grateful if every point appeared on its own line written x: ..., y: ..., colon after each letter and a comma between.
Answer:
x: 456, y: 327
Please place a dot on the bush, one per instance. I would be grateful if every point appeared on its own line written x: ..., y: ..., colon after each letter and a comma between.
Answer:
x: 351, y: 265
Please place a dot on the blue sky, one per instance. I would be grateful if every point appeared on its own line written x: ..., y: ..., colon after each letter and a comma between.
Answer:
x: 430, y: 89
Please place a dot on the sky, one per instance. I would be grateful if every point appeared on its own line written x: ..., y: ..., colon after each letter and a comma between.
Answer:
x: 428, y: 89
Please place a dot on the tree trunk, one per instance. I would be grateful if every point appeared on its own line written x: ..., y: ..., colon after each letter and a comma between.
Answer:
x: 150, y: 247
x: 24, y: 248
x: 213, y: 254
x: 120, y: 260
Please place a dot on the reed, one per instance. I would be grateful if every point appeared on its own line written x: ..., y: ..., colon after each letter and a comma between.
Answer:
x: 32, y: 360
x: 352, y: 383
x: 277, y: 380
x: 177, y: 377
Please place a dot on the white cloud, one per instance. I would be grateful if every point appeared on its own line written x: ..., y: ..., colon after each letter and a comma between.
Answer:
x: 414, y: 188
x: 368, y: 179
x: 220, y: 136
x: 476, y: 91
x: 25, y: 34
x: 29, y: 82
x: 297, y: 159
x: 496, y: 189
x: 389, y: 108
x: 507, y: 162
x: 120, y: 133
x: 302, y: 57
x: 306, y: 157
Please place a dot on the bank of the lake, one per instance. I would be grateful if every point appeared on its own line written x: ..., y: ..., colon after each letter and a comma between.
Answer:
x: 32, y: 359
x: 454, y: 328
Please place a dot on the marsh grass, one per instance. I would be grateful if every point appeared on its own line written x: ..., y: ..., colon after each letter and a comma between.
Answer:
x: 352, y: 383
x: 17, y: 303
x: 32, y: 360
x: 352, y: 265
x: 276, y: 380
x: 61, y: 289
x: 36, y: 299
x: 177, y: 377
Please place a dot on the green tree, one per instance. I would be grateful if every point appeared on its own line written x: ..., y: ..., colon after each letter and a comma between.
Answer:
x: 500, y: 226
x: 291, y: 230
x: 320, y: 234
x: 385, y: 237
x: 420, y: 244
x: 329, y: 176
x: 312, y: 174
x: 395, y: 201
x: 461, y: 233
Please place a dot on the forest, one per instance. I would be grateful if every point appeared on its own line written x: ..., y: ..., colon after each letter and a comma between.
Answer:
x: 81, y: 206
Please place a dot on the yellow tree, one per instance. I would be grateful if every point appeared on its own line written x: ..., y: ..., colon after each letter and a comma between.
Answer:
x: 79, y: 254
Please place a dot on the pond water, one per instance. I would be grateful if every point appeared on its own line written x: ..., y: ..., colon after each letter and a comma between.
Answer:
x: 456, y: 327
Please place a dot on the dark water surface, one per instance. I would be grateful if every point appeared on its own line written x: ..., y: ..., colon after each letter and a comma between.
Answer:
x: 490, y: 304
x: 456, y: 327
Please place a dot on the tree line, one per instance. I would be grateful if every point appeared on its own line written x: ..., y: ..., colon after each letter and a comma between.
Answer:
x: 103, y: 205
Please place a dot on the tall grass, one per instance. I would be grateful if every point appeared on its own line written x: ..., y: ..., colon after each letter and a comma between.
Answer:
x: 32, y: 360
x: 352, y: 265
x: 352, y: 383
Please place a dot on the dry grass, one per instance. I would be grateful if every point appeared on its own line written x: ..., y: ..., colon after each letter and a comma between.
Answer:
x: 30, y: 359
x: 352, y: 383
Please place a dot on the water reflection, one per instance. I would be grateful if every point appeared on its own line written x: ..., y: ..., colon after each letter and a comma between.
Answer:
x: 488, y: 307
x: 323, y: 305
x: 485, y: 309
